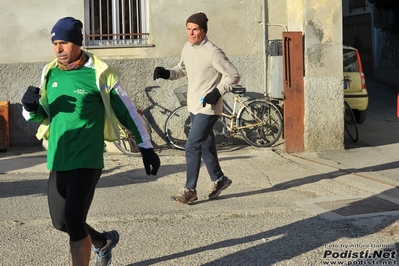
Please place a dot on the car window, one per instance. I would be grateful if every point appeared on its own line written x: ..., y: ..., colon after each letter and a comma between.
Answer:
x: 350, y: 61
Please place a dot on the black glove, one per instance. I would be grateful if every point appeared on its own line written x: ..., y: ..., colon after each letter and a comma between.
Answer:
x: 30, y: 100
x: 161, y: 72
x: 212, y: 97
x: 150, y: 158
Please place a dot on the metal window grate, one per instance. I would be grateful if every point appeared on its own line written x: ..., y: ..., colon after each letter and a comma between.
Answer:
x: 274, y: 48
x: 357, y: 3
x: 116, y: 22
x: 358, y: 206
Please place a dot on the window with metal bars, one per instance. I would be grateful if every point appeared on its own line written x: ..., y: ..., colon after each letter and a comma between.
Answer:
x: 357, y: 3
x: 115, y: 23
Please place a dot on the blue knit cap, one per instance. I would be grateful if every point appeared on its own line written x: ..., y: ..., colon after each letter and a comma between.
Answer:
x: 68, y: 29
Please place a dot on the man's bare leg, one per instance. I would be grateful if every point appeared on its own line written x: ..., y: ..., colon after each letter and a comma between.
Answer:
x: 81, y: 251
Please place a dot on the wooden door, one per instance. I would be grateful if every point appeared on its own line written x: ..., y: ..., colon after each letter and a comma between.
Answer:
x: 293, y: 72
x: 4, y: 125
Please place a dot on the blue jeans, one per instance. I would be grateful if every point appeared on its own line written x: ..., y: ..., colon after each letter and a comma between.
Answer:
x: 201, y: 144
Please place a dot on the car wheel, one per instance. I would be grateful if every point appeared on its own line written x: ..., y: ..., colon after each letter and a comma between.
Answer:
x: 360, y: 116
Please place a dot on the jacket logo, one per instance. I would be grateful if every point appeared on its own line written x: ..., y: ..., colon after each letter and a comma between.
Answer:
x: 80, y: 91
x: 55, y: 84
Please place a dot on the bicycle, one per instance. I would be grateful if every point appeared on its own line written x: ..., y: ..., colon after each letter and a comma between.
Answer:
x: 127, y: 143
x: 350, y: 123
x: 258, y: 121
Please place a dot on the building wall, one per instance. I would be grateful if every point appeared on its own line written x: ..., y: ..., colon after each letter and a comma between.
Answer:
x: 321, y: 22
x: 240, y: 28
x: 25, y: 32
x: 25, y: 35
x: 25, y: 28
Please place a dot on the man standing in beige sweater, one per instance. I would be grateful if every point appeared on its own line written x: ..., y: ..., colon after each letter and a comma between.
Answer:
x: 210, y: 75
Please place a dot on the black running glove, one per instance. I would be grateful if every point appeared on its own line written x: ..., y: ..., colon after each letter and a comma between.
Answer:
x: 212, y: 97
x: 150, y: 158
x: 30, y: 100
x: 161, y: 72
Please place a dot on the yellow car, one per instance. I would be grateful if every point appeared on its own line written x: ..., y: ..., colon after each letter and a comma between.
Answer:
x: 355, y: 91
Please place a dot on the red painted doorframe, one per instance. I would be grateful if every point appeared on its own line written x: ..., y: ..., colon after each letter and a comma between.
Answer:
x: 293, y: 72
x: 4, y: 125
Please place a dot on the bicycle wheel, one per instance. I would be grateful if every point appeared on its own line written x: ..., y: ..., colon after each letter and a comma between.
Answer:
x: 350, y: 123
x: 177, y: 127
x: 260, y: 124
x: 127, y: 142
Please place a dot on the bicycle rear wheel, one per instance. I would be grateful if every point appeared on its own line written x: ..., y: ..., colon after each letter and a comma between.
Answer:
x: 177, y: 127
x: 127, y: 142
x: 261, y: 124
x: 350, y: 123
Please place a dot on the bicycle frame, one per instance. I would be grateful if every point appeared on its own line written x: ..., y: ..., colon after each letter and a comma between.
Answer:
x: 258, y: 121
x: 232, y: 125
x: 127, y: 142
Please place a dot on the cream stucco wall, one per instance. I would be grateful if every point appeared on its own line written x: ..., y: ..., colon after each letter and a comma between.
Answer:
x: 235, y: 26
x: 324, y: 95
x: 321, y: 22
x: 25, y: 28
x: 239, y: 27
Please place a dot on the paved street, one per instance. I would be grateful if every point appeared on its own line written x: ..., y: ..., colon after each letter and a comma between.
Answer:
x: 282, y: 209
x: 265, y: 218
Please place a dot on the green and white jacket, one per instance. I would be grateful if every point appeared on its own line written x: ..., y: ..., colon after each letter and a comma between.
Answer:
x: 117, y: 106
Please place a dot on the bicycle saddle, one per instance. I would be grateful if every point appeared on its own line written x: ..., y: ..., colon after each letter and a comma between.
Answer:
x: 238, y: 90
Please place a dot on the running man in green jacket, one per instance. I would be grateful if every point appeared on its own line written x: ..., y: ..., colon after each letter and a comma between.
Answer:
x: 79, y: 103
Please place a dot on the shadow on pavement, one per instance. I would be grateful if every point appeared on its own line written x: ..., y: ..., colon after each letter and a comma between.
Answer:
x: 289, y: 241
x: 36, y: 183
x: 284, y: 243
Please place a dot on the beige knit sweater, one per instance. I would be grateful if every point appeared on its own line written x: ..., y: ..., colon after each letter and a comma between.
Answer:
x: 206, y: 67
